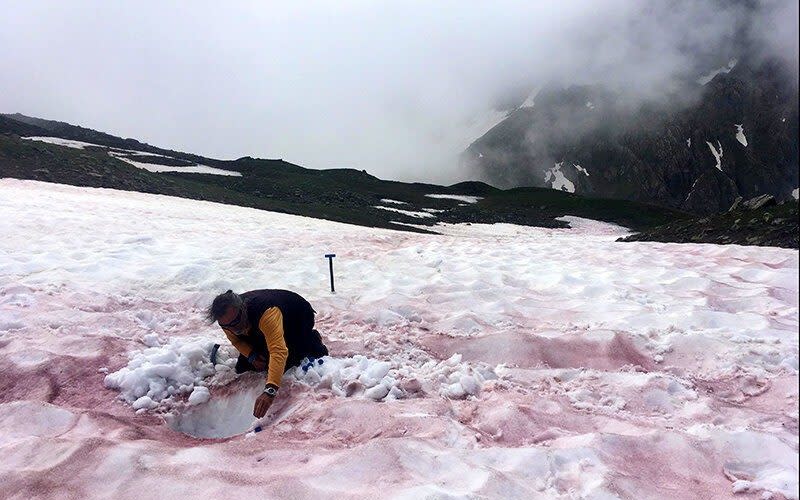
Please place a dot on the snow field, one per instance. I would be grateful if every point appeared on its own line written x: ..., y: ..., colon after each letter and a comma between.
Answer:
x: 515, y: 362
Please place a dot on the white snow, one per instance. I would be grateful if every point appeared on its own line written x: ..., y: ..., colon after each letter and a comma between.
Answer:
x: 689, y: 142
x: 82, y: 145
x: 410, y: 213
x: 457, y: 197
x: 490, y: 361
x: 531, y: 99
x: 581, y: 169
x: 395, y: 379
x: 152, y: 167
x: 740, y: 135
x: 433, y: 210
x: 479, y: 124
x: 62, y: 142
x: 796, y: 193
x: 717, y: 154
x: 395, y: 202
x: 703, y: 80
x: 590, y: 104
x: 559, y: 180
x: 199, y: 395
x: 194, y: 169
x: 162, y: 372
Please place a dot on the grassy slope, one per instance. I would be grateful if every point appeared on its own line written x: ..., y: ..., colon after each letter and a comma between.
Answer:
x: 344, y: 195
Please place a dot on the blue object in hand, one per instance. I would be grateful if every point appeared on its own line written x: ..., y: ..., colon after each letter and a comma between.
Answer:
x: 308, y: 365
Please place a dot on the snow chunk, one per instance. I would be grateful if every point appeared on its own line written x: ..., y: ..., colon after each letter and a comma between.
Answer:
x: 144, y: 402
x: 590, y: 104
x: 377, y: 380
x: 151, y: 340
x: 689, y: 142
x: 717, y: 154
x: 581, y: 169
x: 395, y: 202
x: 159, y: 373
x: 740, y: 135
x: 457, y: 197
x: 796, y: 193
x: 199, y: 395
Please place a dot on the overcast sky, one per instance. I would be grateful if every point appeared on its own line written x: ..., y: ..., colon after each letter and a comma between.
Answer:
x: 396, y: 88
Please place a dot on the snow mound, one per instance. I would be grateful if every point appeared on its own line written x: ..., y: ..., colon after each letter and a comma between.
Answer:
x: 381, y: 380
x: 157, y: 374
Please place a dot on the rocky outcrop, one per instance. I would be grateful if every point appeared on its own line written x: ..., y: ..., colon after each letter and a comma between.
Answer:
x: 759, y: 221
x: 735, y: 136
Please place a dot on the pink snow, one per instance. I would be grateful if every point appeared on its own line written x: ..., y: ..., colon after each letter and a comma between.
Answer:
x: 490, y: 361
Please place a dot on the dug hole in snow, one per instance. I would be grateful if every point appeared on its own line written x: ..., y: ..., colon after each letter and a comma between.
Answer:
x: 175, y: 378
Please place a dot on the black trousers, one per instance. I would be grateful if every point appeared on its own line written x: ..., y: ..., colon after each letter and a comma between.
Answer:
x: 312, y: 347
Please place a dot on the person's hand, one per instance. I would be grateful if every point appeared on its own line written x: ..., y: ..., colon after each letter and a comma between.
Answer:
x: 260, y: 363
x: 263, y: 402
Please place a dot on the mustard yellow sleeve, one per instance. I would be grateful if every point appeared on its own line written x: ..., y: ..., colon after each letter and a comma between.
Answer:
x: 271, y: 325
x: 240, y: 345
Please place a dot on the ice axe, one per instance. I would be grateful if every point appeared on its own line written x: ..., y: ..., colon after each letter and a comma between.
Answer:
x: 330, y: 257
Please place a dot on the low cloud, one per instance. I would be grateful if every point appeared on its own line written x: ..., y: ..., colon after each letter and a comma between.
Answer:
x: 396, y: 88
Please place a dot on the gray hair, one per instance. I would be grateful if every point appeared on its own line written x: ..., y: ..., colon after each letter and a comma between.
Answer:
x: 221, y: 303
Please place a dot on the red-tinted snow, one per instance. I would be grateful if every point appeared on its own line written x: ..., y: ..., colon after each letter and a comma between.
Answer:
x: 516, y: 362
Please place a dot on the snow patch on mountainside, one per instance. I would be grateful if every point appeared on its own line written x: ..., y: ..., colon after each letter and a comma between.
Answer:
x: 62, y: 142
x: 740, y: 135
x: 193, y: 169
x: 703, y: 80
x: 410, y: 213
x: 121, y: 154
x: 557, y: 179
x: 717, y: 154
x: 531, y: 99
x: 457, y: 197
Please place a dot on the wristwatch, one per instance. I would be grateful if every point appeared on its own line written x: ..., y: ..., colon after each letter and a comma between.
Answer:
x: 271, y: 391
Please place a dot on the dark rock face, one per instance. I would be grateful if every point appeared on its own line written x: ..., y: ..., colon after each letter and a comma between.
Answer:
x: 737, y: 135
x: 758, y: 221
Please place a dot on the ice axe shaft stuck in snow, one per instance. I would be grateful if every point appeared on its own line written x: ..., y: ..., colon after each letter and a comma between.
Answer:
x: 330, y: 257
x: 213, y: 355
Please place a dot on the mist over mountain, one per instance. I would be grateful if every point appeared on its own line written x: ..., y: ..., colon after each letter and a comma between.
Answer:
x: 397, y: 89
x: 724, y: 128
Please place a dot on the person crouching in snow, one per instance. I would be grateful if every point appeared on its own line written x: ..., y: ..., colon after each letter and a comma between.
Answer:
x: 273, y: 330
